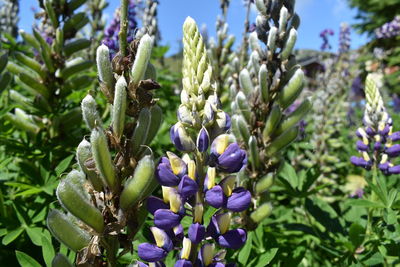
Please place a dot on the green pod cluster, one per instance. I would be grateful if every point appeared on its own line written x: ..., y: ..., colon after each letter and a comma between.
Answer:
x: 119, y: 108
x: 138, y: 184
x: 102, y: 158
x: 66, y: 231
x: 142, y: 59
x: 261, y: 212
x: 75, y: 199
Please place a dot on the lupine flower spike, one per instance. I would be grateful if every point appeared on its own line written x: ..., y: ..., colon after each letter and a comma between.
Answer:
x: 202, y: 178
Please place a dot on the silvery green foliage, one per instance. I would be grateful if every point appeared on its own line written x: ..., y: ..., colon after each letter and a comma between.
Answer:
x: 103, y: 197
x: 150, y: 21
x: 261, y: 95
x: 9, y: 17
x: 51, y: 71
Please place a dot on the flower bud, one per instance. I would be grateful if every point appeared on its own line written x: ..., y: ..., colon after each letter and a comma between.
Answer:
x: 89, y: 112
x: 203, y: 140
x: 102, y: 158
x: 137, y: 185
x: 104, y: 67
x: 181, y: 139
x: 66, y: 231
x: 261, y: 7
x: 141, y: 59
x: 119, y: 107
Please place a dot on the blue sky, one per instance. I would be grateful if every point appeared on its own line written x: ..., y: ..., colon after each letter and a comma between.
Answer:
x: 316, y: 15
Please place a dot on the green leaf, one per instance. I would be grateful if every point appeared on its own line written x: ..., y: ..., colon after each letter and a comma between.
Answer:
x: 11, y: 236
x: 356, y: 235
x: 63, y: 165
x: 363, y: 203
x: 47, y: 250
x: 245, y: 251
x: 35, y: 234
x: 289, y: 174
x: 32, y: 191
x: 25, y: 260
x: 267, y: 257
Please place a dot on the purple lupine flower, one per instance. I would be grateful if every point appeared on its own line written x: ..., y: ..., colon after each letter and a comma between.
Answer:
x: 111, y: 32
x: 170, y: 170
x: 156, y: 252
x: 396, y: 102
x: 344, y: 38
x: 389, y: 29
x: 325, y: 41
x: 227, y: 157
x: 181, y: 139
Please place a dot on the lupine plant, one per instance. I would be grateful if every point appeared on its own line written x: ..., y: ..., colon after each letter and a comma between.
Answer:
x: 267, y: 87
x: 150, y: 21
x: 9, y: 17
x: 201, y: 180
x: 103, y: 197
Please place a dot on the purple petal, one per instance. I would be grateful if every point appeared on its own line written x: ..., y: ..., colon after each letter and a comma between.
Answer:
x: 228, y: 122
x: 203, y: 140
x: 233, y: 159
x: 165, y: 176
x: 187, y: 187
x: 151, y: 253
x: 395, y: 136
x: 361, y: 146
x: 166, y: 219
x: 212, y: 228
x: 393, y: 151
x: 384, y: 166
x: 183, y: 263
x: 196, y: 233
x: 394, y: 169
x: 233, y: 239
x: 385, y: 131
x: 239, y: 200
x: 155, y: 203
x: 360, y: 162
x: 215, y: 197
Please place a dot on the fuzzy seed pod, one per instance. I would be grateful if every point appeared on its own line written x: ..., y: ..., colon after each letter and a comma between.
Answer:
x: 141, y: 130
x: 245, y: 82
x: 261, y: 212
x: 77, y: 203
x: 287, y: 50
x: 254, y: 154
x: 292, y: 89
x: 272, y: 122
x: 83, y: 153
x: 102, y: 158
x: 243, y: 128
x: 155, y: 124
x: 271, y: 40
x: 142, y: 59
x: 264, y: 83
x: 283, y: 17
x: 243, y: 105
x: 104, y: 67
x: 282, y: 141
x: 294, y: 117
x: 66, y: 231
x: 264, y: 183
x: 119, y: 107
x: 23, y: 124
x: 60, y: 261
x: 90, y: 113
x: 137, y: 185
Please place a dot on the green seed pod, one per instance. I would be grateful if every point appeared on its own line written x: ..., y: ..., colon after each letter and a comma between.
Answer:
x: 142, y: 59
x: 75, y: 200
x: 136, y: 185
x: 102, y: 158
x: 292, y: 89
x: 66, y: 231
x: 255, y: 61
x: 74, y: 66
x: 243, y: 105
x: 119, y: 108
x: 243, y: 128
x: 60, y: 261
x: 264, y: 183
x: 295, y: 22
x: 16, y: 69
x: 89, y: 112
x: 272, y: 39
x: 287, y: 50
x: 20, y: 99
x: 261, y: 212
x: 76, y: 46
x: 75, y: 23
x: 59, y: 41
x: 283, y: 17
x: 50, y: 12
x: 245, y: 82
x: 254, y: 42
x: 272, y: 122
x: 141, y: 130
x: 30, y: 63
x: 261, y: 7
x: 29, y: 39
x: 45, y: 51
x: 282, y: 141
x: 84, y: 153
x: 78, y: 181
x: 235, y: 126
x: 23, y: 124
x: 264, y: 83
x: 294, y: 117
x: 75, y: 4
x: 104, y: 67
x: 254, y: 154
x: 155, y: 124
x: 229, y: 42
x: 34, y: 85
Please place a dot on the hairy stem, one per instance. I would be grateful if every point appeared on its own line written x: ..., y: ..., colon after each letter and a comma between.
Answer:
x: 124, y: 27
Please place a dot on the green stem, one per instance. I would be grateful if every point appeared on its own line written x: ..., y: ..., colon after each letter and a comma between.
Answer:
x: 124, y: 27
x: 373, y: 199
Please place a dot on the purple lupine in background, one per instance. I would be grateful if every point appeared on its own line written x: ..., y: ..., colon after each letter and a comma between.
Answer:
x: 325, y: 40
x: 389, y: 29
x: 376, y: 139
x: 202, y: 179
x: 396, y: 102
x: 111, y: 32
x: 344, y: 38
